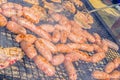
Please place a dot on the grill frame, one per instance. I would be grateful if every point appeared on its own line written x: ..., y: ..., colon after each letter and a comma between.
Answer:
x: 25, y: 69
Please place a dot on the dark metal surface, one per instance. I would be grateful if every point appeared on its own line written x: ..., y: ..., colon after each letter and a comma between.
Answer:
x: 25, y: 69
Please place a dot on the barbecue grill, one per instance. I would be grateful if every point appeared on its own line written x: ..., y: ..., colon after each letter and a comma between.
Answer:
x: 25, y: 69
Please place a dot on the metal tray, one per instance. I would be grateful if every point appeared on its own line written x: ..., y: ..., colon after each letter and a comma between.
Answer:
x: 25, y: 69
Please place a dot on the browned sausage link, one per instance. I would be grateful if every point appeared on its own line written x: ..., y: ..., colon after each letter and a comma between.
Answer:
x: 29, y: 49
x: 76, y: 38
x: 111, y: 44
x: 58, y: 59
x: 98, y: 57
x: 63, y: 48
x: 11, y: 12
x: 115, y: 75
x: 27, y: 24
x: 15, y: 28
x: 44, y: 65
x: 97, y: 39
x: 109, y: 67
x: 76, y: 55
x: 56, y: 36
x: 3, y: 21
x: 104, y: 46
x: 49, y: 44
x: 29, y: 14
x: 89, y: 36
x: 11, y: 5
x: 64, y: 36
x: 47, y: 27
x: 42, y: 48
x: 84, y: 46
x: 29, y: 38
x: 116, y: 62
x: 100, y: 75
x: 70, y: 70
x: 97, y: 48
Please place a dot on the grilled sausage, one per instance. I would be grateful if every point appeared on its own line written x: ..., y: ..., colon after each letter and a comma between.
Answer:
x: 29, y: 49
x: 15, y: 28
x: 58, y: 59
x: 56, y: 36
x: 42, y: 48
x: 98, y: 57
x: 47, y: 27
x: 29, y: 14
x: 111, y: 44
x: 44, y: 65
x: 77, y: 55
x: 100, y: 75
x: 64, y: 36
x: 109, y: 67
x: 10, y: 5
x: 84, y: 46
x: 27, y: 24
x: 29, y: 38
x: 115, y: 75
x: 63, y: 48
x: 11, y: 12
x: 49, y: 44
x: 70, y: 70
x: 89, y: 36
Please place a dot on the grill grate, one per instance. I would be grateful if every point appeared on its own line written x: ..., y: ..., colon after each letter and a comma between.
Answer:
x: 25, y: 69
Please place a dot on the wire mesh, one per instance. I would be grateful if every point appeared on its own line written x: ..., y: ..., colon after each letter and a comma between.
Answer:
x: 25, y: 69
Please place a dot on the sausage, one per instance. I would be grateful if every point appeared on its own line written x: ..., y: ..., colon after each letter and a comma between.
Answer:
x: 89, y: 37
x: 64, y: 36
x: 57, y: 17
x: 56, y: 36
x: 49, y: 44
x: 97, y: 39
x: 44, y: 65
x: 66, y: 27
x: 63, y: 48
x: 29, y: 49
x: 84, y: 46
x: 98, y: 57
x: 44, y: 51
x: 10, y: 5
x: 15, y: 28
x: 75, y: 38
x: 104, y: 46
x: 76, y: 28
x: 29, y: 38
x: 27, y: 24
x: 11, y: 12
x: 77, y: 55
x: 116, y: 62
x: 29, y: 14
x: 57, y: 59
x: 47, y: 27
x: 115, y: 75
x: 109, y: 67
x: 97, y: 48
x: 3, y: 21
x: 111, y: 44
x: 70, y: 70
x: 100, y: 75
